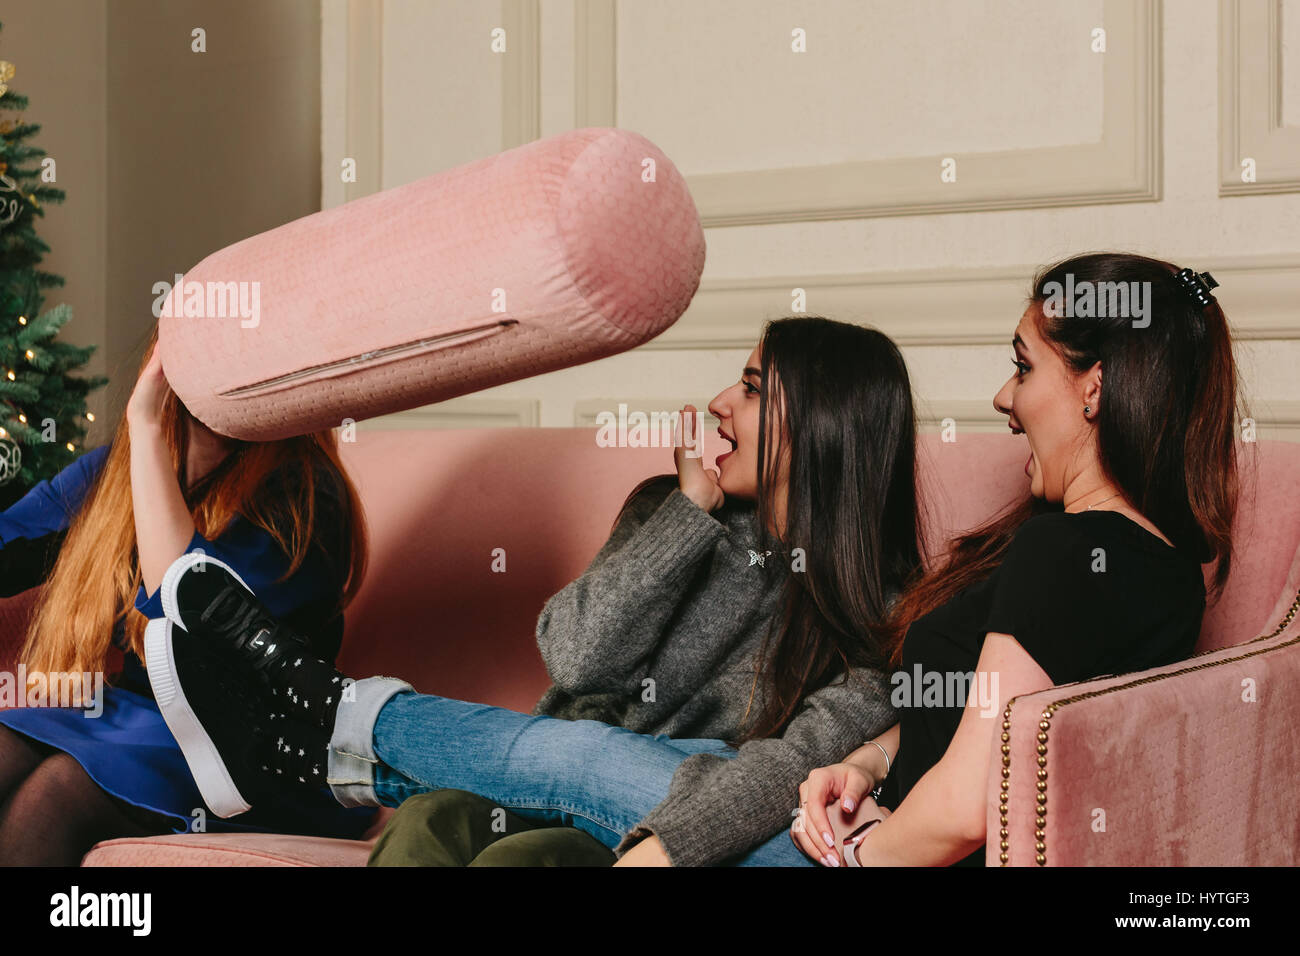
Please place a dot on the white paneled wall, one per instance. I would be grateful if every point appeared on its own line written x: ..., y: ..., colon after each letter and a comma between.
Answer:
x: 820, y: 169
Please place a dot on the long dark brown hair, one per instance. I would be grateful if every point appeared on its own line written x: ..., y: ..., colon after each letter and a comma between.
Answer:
x: 1165, y: 426
x: 837, y: 400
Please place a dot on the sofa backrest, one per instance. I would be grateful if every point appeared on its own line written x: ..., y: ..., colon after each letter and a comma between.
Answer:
x: 440, y: 503
x: 970, y: 480
x: 433, y: 611
x: 444, y: 508
x: 1266, y: 545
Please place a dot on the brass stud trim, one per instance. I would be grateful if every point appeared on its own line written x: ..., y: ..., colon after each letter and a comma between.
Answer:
x: 1045, y: 722
x: 1006, y: 777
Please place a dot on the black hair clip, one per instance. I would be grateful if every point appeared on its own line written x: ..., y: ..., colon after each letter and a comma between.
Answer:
x: 1197, y: 285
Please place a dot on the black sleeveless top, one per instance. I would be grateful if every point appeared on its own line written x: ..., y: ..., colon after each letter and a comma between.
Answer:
x: 1085, y: 594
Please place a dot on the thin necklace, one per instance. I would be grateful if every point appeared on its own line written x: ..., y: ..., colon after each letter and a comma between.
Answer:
x: 1103, y: 501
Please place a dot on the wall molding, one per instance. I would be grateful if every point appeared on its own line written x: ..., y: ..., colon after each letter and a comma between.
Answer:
x: 969, y: 414
x: 1250, y: 101
x: 1278, y: 419
x: 595, y: 74
x: 1275, y: 419
x: 955, y: 306
x: 586, y: 410
x: 1125, y: 166
x: 521, y: 80
x: 352, y: 33
x: 468, y: 412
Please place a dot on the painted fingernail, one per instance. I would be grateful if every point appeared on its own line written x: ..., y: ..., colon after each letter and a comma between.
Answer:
x: 833, y: 859
x: 849, y: 804
x: 830, y: 840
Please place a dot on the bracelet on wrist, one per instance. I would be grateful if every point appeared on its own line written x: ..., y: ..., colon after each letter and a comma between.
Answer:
x: 879, y: 782
x: 883, y: 752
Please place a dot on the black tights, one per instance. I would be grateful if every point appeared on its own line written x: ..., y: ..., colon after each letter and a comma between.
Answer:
x: 52, y: 813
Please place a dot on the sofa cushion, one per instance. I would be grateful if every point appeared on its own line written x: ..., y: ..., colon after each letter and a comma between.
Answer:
x: 543, y: 257
x: 228, y: 849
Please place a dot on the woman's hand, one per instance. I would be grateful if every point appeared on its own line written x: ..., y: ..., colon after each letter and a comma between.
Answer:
x: 699, y: 485
x: 845, y: 784
x: 144, y: 409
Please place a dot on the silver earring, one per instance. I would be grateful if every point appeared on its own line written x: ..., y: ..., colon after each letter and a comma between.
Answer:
x: 1087, y: 409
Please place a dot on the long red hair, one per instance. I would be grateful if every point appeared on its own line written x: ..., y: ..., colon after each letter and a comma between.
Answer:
x: 94, y: 582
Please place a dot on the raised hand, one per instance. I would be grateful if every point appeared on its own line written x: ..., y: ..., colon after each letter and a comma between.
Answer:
x: 144, y: 408
x: 697, y: 483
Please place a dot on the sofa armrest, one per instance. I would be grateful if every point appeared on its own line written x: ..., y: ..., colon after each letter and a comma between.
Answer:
x: 1193, y: 764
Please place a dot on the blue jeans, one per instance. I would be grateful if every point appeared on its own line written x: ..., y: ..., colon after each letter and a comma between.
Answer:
x: 391, y: 743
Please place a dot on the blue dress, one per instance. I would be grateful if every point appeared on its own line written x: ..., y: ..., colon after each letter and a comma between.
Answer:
x: 128, y: 750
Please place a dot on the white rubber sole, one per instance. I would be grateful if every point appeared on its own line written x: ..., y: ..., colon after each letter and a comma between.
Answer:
x: 172, y: 576
x: 215, y: 784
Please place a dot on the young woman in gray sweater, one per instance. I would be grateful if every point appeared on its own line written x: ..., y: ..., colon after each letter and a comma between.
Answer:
x: 724, y: 642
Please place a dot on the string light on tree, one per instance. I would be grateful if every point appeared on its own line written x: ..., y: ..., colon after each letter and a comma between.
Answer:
x: 51, y: 389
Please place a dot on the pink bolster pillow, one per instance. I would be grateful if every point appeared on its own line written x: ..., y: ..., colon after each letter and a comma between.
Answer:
x: 546, y: 256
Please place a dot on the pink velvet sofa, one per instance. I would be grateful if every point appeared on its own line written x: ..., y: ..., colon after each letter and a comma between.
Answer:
x: 1195, y: 763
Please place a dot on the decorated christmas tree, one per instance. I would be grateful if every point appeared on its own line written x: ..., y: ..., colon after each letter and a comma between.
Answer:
x: 43, y: 415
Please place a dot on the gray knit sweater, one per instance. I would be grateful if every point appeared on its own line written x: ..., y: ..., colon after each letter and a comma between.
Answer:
x: 660, y: 635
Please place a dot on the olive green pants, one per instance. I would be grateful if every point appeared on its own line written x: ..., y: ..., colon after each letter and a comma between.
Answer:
x: 458, y: 828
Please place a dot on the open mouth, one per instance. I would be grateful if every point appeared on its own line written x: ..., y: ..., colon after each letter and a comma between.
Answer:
x: 732, y: 441
x: 1017, y: 430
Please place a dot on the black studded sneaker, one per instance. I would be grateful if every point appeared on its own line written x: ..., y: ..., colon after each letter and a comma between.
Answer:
x: 237, y: 747
x: 205, y: 596
x: 213, y: 712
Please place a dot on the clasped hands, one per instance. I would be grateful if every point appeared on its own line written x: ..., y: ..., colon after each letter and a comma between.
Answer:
x: 835, y: 799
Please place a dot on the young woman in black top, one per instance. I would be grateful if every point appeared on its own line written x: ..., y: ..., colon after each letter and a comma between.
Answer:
x: 1133, y: 482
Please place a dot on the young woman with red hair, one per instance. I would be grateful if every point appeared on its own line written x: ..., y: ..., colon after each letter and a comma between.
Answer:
x: 284, y: 513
